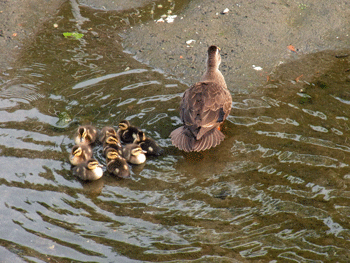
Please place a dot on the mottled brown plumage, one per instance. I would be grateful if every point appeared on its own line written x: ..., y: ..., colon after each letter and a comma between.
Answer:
x: 88, y: 171
x: 134, y: 154
x: 106, y: 132
x: 127, y: 133
x: 147, y: 144
x: 116, y: 164
x: 204, y: 106
x: 80, y: 153
x: 85, y: 135
x: 112, y: 141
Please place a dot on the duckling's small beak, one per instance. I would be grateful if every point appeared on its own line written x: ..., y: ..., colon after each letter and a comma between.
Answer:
x: 144, y: 151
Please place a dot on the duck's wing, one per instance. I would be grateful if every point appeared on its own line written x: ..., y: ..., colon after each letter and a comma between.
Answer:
x: 205, y: 106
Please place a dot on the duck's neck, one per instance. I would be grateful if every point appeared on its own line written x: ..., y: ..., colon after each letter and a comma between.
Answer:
x: 213, y: 74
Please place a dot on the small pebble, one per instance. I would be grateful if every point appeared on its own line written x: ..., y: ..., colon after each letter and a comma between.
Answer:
x: 170, y: 19
x: 257, y: 67
x: 226, y: 10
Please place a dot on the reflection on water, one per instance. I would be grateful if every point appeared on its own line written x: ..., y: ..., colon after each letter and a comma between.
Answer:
x: 275, y: 189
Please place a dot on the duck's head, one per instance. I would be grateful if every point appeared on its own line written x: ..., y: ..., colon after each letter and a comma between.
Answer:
x: 84, y: 135
x: 112, y: 139
x: 140, y: 137
x: 214, y: 58
x: 82, y: 132
x: 93, y: 164
x: 112, y: 154
x: 137, y: 151
x: 110, y: 131
x: 124, y: 125
x: 77, y: 151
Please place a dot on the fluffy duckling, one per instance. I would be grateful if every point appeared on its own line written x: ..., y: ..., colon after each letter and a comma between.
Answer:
x: 80, y: 153
x: 88, y: 171
x: 109, y: 151
x: 112, y: 141
x: 106, y: 132
x: 86, y: 134
x: 116, y: 164
x: 134, y: 154
x: 148, y: 144
x: 127, y: 133
x: 204, y: 106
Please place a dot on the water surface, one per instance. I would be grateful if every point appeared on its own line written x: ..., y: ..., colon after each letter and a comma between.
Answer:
x: 274, y: 190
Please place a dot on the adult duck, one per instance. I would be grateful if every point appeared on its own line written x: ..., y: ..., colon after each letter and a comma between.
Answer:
x: 203, y: 108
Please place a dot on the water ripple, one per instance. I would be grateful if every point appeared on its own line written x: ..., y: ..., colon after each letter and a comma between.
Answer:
x: 249, y: 121
x: 310, y: 159
x: 141, y: 84
x: 21, y: 92
x: 304, y: 139
x: 25, y: 115
x: 94, y: 81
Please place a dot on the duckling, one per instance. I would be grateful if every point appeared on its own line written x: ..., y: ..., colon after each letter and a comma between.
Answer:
x: 116, y: 164
x: 105, y: 132
x: 148, y: 144
x: 110, y: 151
x: 112, y: 141
x: 203, y: 108
x: 134, y: 154
x: 80, y: 153
x: 86, y: 134
x: 88, y: 171
x: 127, y: 133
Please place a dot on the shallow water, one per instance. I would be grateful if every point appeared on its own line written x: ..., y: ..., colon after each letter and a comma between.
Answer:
x: 274, y: 190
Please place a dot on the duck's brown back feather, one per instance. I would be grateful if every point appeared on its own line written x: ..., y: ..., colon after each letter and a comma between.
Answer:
x: 183, y: 139
x: 203, y: 108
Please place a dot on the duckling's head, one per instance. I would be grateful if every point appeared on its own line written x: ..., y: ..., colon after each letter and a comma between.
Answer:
x: 112, y: 154
x: 93, y: 164
x: 83, y: 134
x: 77, y: 150
x: 110, y: 131
x: 137, y: 151
x: 140, y: 137
x: 214, y: 58
x: 124, y: 125
x: 112, y: 139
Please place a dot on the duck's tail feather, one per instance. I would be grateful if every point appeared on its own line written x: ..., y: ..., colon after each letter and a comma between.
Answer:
x: 183, y: 139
